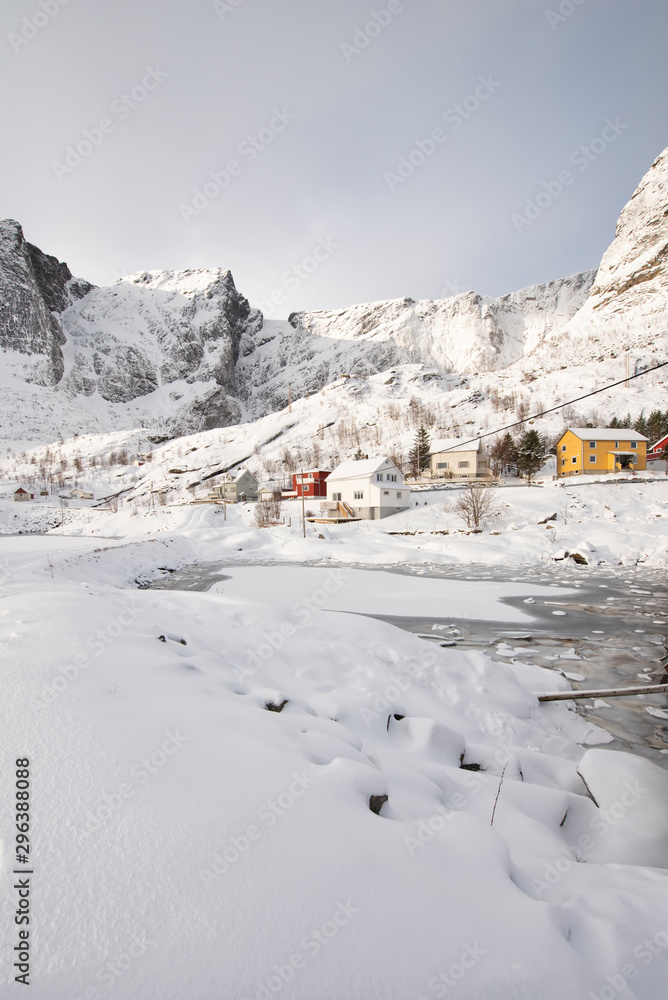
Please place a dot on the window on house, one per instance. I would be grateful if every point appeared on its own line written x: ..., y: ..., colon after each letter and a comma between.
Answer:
x: 616, y: 444
x: 592, y: 458
x: 379, y: 477
x: 634, y: 444
x: 574, y: 459
x: 386, y: 493
x: 359, y: 494
x: 563, y: 461
x: 398, y: 495
x: 463, y: 465
x: 592, y: 444
x: 563, y: 447
x: 336, y: 496
x: 442, y: 465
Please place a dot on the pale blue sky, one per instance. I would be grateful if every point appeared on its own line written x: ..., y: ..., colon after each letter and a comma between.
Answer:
x: 326, y: 175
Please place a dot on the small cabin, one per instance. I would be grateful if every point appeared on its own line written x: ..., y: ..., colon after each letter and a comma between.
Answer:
x: 22, y: 495
x: 78, y: 494
x: 269, y: 491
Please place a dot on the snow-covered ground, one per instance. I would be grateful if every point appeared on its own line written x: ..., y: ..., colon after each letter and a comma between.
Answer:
x: 188, y: 842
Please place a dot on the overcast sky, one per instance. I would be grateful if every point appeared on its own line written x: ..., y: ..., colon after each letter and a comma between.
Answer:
x: 401, y: 139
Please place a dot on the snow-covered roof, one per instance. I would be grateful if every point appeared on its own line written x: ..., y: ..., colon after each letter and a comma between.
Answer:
x: 662, y: 441
x: 607, y: 434
x: 453, y: 444
x: 354, y: 469
x: 240, y: 473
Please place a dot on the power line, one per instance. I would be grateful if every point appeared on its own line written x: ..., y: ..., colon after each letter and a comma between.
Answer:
x: 543, y: 413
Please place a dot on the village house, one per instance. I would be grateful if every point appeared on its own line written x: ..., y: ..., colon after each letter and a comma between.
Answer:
x: 655, y: 462
x: 238, y: 488
x: 269, y: 491
x: 314, y: 485
x: 78, y: 494
x: 370, y: 488
x: 451, y: 459
x: 593, y: 451
x: 21, y: 495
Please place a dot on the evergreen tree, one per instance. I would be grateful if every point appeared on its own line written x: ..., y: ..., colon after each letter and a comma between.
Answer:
x: 420, y: 454
x: 359, y: 455
x: 530, y: 454
x: 640, y: 425
x: 657, y: 425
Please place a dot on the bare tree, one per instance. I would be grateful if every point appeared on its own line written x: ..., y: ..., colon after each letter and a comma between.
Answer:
x: 267, y: 513
x: 476, y: 504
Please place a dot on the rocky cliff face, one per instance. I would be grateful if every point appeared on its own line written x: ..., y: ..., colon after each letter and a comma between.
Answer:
x: 184, y: 350
x: 467, y: 333
x: 159, y: 328
x: 33, y: 288
x: 627, y: 308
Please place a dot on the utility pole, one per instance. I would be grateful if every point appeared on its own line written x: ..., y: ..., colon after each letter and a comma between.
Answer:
x: 303, y: 514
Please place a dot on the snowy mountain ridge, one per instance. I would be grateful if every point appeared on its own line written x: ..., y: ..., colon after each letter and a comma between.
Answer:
x: 183, y: 351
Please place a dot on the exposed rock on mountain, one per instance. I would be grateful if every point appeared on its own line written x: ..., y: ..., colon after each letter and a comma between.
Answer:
x: 466, y: 333
x: 30, y: 288
x: 628, y: 305
x: 157, y: 328
x: 184, y: 351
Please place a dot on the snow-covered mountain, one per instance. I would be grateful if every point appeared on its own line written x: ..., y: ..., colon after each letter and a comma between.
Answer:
x: 183, y: 351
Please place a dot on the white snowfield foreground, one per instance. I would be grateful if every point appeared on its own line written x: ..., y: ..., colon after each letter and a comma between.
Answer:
x: 189, y: 843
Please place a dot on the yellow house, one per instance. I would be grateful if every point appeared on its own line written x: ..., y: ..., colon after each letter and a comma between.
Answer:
x: 596, y: 450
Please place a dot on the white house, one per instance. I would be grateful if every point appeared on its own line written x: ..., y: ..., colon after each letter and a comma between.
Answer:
x: 370, y: 488
x: 452, y: 459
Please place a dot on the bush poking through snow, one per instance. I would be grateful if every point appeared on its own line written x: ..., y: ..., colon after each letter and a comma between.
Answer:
x: 268, y: 513
x: 476, y: 504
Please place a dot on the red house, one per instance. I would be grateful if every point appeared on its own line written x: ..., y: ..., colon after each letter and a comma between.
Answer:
x: 315, y: 483
x: 658, y: 447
